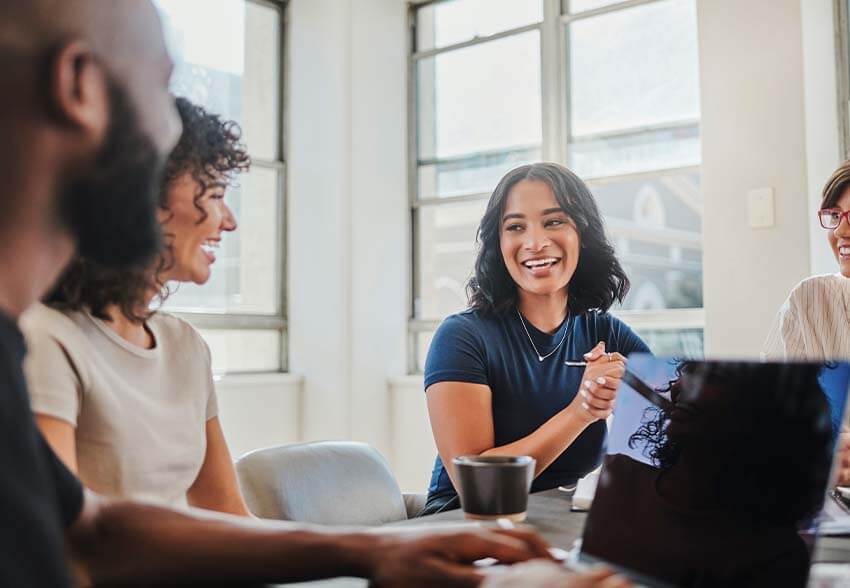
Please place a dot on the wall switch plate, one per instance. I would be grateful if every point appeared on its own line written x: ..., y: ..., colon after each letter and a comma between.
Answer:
x: 760, y: 210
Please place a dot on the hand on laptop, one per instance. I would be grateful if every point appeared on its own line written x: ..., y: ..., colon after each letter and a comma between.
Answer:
x: 444, y: 559
x: 543, y: 574
x: 598, y: 389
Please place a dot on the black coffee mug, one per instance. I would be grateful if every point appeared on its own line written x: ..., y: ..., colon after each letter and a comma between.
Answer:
x: 494, y: 486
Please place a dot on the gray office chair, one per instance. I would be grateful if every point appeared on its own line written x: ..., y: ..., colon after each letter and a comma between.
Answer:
x: 327, y: 482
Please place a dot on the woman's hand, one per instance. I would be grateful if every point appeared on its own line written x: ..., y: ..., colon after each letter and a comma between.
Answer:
x: 598, y: 389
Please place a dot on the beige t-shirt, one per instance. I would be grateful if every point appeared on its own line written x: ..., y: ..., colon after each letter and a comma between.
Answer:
x: 140, y: 414
x: 813, y: 322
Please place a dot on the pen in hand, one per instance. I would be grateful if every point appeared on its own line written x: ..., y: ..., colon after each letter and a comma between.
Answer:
x: 588, y: 355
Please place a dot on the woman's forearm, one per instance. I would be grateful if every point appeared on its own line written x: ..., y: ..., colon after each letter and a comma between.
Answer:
x: 62, y: 438
x: 547, y: 442
x: 594, y: 401
x: 228, y: 504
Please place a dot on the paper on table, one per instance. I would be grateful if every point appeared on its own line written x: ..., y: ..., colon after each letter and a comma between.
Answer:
x: 585, y: 489
x: 829, y: 575
x: 835, y: 519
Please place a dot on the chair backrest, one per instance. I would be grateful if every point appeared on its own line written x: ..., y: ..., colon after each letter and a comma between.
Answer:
x: 327, y: 482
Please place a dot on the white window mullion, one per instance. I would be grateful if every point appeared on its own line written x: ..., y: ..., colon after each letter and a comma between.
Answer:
x: 552, y: 81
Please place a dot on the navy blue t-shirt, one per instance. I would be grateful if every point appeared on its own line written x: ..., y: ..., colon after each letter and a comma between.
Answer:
x: 494, y: 350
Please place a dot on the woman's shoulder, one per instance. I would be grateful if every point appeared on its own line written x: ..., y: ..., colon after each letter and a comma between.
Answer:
x: 40, y: 321
x: 599, y: 325
x: 55, y: 337
x: 175, y: 328
x: 458, y: 351
x: 819, y: 282
x: 472, y: 322
x: 826, y: 283
x: 460, y: 324
x: 471, y: 316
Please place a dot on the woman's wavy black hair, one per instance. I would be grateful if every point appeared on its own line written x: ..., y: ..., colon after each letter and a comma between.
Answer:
x: 210, y: 149
x: 599, y: 279
x: 760, y: 421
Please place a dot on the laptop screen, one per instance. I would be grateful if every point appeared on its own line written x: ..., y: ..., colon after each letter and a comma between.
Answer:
x: 716, y: 471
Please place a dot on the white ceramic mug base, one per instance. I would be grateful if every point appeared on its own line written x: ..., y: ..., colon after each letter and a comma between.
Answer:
x: 514, y: 518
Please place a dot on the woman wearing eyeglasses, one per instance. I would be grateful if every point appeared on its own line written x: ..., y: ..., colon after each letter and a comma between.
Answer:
x: 506, y: 377
x: 812, y: 323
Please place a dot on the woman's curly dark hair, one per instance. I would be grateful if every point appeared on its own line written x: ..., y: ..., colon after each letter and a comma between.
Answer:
x: 658, y: 447
x: 599, y: 279
x: 758, y: 422
x: 210, y: 149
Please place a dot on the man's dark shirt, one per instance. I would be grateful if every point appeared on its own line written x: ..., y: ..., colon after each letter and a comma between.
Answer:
x: 39, y: 497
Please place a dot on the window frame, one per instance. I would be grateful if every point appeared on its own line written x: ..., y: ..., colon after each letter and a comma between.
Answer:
x: 275, y: 321
x: 842, y: 73
x: 555, y: 105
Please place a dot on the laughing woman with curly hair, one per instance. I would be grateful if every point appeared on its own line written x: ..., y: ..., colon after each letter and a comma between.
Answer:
x: 124, y: 395
x: 496, y: 377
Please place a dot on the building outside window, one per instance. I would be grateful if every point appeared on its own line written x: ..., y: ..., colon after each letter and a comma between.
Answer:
x: 608, y: 88
x: 228, y: 58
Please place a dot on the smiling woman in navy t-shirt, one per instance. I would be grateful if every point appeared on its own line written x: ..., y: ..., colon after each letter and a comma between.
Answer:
x: 495, y: 378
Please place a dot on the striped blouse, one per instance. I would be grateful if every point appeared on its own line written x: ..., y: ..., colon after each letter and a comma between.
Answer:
x: 814, y: 322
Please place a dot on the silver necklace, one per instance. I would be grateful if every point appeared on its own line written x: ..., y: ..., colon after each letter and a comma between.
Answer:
x: 530, y: 340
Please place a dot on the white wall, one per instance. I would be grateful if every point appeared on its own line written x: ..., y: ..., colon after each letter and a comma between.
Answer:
x: 348, y: 233
x: 319, y: 221
x: 380, y: 253
x: 753, y: 136
x: 414, y: 450
x: 259, y: 410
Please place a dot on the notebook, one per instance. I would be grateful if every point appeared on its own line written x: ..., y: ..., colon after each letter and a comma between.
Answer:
x: 716, y: 473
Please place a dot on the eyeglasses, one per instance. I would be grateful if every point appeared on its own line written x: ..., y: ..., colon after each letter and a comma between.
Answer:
x: 830, y: 218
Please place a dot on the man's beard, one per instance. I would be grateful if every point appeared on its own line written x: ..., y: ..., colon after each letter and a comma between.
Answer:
x: 112, y: 210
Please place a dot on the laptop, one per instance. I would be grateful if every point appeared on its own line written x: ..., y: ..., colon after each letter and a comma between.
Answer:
x: 716, y: 472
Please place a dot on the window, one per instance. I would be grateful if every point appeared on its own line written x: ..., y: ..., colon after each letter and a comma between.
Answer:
x: 228, y: 57
x: 608, y: 88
